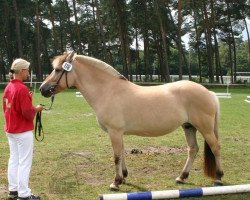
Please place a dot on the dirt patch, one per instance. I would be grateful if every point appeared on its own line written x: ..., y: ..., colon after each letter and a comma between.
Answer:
x: 84, y: 154
x: 3, y: 192
x: 78, y: 168
x: 156, y: 150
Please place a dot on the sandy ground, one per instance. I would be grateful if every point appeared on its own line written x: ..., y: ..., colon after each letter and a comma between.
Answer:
x: 3, y: 192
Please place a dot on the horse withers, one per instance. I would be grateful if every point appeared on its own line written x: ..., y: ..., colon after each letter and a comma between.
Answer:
x: 123, y: 107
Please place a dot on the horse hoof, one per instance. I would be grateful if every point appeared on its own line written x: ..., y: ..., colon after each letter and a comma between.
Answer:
x: 113, y: 187
x: 178, y: 180
x: 218, y: 183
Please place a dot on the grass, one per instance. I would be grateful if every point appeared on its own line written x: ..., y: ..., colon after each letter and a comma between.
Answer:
x: 75, y: 159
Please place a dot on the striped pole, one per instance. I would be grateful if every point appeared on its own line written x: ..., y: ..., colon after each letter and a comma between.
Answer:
x: 170, y: 194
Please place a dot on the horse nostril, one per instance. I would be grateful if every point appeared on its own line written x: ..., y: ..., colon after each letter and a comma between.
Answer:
x: 47, y: 90
x: 44, y: 91
x: 41, y: 88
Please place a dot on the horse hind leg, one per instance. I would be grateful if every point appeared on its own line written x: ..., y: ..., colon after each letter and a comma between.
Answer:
x: 212, y: 159
x: 190, y: 133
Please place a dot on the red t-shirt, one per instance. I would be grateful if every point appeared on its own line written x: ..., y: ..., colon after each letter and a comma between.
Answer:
x: 18, y: 109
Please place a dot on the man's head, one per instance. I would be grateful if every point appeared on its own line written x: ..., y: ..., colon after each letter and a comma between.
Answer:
x: 20, y: 69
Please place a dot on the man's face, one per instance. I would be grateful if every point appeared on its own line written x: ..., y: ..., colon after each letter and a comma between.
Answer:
x: 25, y: 74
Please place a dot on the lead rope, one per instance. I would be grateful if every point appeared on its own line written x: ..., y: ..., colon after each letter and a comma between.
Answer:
x: 39, y: 134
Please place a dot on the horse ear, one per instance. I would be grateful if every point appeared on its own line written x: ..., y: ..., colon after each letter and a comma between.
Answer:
x: 70, y: 56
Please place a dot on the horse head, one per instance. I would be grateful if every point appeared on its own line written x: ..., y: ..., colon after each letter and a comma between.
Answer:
x: 60, y: 78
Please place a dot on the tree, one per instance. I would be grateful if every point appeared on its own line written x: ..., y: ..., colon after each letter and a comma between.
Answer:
x: 208, y: 36
x: 101, y: 30
x: 159, y: 6
x: 39, y: 30
x: 53, y: 29
x: 18, y: 32
x: 77, y: 28
x: 179, y: 37
x: 120, y: 9
x: 38, y: 43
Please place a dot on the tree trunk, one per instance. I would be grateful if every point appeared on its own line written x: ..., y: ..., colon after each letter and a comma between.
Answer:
x: 230, y: 42
x: 145, y: 42
x: 166, y: 75
x: 234, y: 56
x: 54, y: 35
x: 208, y: 36
x: 6, y: 35
x: 18, y: 32
x: 248, y: 38
x: 179, y: 38
x: 102, y: 33
x: 137, y: 57
x: 216, y: 49
x: 244, y: 14
x: 38, y: 45
x: 180, y: 47
x: 2, y: 69
x: 61, y: 34
x: 197, y: 38
x: 158, y: 45
x: 77, y: 28
x: 119, y: 6
x: 69, y: 28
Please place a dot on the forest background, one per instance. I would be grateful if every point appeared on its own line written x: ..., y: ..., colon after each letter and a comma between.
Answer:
x: 136, y: 37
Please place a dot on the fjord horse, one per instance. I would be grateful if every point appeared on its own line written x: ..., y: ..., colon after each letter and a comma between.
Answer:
x: 123, y: 107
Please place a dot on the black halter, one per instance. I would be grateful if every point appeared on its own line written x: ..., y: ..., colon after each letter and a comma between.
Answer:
x: 66, y: 73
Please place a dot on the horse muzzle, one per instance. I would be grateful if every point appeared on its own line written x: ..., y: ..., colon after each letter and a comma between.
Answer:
x: 47, y: 90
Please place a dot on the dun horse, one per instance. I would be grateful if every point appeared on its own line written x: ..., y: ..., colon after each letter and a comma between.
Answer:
x: 124, y: 108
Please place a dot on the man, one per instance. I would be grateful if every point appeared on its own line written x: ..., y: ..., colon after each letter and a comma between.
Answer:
x: 19, y: 114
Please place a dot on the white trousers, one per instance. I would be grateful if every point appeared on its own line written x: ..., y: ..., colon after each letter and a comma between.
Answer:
x: 20, y: 161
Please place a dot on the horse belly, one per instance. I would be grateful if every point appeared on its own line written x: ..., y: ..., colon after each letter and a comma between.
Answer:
x: 150, y: 133
x: 154, y: 122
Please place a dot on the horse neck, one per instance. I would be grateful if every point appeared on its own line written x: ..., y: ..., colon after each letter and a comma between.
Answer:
x: 93, y: 83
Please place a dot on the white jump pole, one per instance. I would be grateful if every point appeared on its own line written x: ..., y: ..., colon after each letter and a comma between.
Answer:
x: 170, y: 194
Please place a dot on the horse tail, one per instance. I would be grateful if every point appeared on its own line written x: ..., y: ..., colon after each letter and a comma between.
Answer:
x: 209, y: 158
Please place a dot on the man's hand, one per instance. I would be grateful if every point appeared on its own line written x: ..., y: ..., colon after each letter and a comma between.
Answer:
x: 39, y: 108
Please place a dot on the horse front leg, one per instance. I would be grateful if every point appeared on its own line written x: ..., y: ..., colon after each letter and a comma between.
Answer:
x: 116, y: 138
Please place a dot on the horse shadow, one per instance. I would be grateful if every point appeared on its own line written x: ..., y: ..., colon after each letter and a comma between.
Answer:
x: 133, y: 187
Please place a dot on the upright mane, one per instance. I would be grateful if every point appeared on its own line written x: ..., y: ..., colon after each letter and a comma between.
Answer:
x: 59, y: 60
x: 100, y: 65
